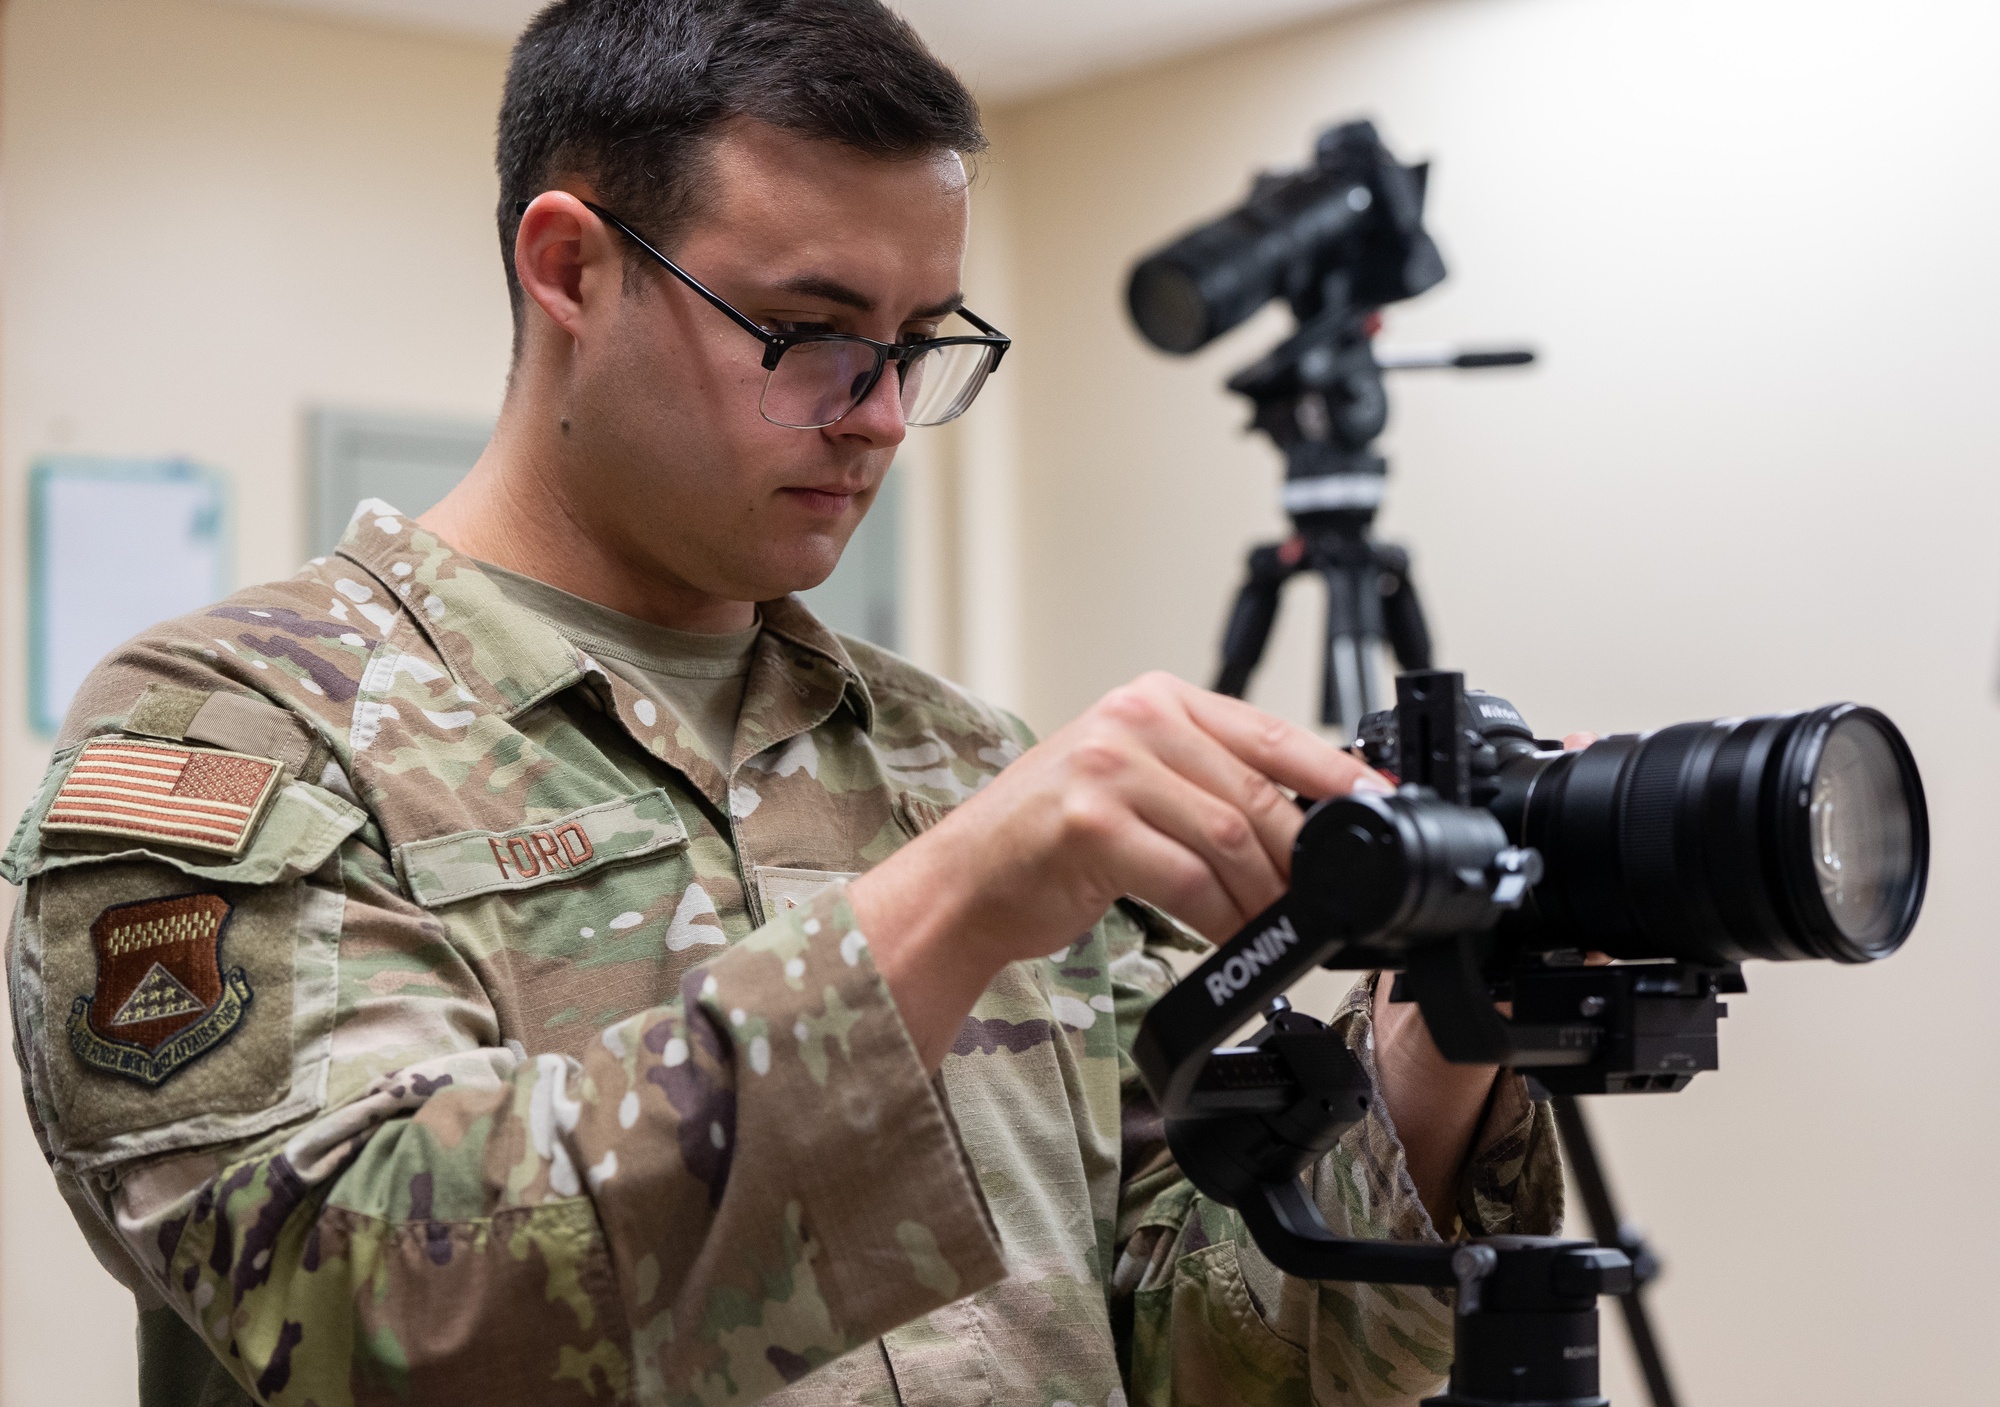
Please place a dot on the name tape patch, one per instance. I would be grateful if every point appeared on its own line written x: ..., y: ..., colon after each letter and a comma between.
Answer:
x: 197, y: 797
x: 454, y: 867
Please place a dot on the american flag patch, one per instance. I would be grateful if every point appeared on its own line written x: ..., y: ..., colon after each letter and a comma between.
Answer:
x: 197, y: 797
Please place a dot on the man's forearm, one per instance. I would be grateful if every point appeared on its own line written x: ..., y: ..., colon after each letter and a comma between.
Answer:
x: 926, y: 934
x: 1434, y: 1104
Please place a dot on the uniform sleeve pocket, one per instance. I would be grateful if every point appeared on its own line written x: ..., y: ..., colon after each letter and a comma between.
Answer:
x: 169, y: 998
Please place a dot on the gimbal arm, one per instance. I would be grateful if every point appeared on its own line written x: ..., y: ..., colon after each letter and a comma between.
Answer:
x: 1244, y: 1121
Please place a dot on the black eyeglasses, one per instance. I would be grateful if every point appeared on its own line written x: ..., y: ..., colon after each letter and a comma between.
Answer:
x: 813, y: 379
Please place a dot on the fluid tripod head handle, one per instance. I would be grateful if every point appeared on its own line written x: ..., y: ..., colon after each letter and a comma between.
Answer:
x: 1453, y: 361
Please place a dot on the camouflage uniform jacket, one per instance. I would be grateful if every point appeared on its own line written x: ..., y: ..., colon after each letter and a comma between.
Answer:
x: 495, y: 1045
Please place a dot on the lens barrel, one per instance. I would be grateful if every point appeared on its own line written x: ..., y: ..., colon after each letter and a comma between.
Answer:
x: 1212, y: 278
x: 1797, y: 836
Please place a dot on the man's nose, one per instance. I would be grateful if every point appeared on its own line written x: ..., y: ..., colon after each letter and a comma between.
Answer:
x: 878, y: 420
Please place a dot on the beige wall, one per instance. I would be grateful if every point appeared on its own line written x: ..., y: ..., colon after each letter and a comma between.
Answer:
x: 1755, y: 240
x: 1755, y: 472
x: 214, y: 217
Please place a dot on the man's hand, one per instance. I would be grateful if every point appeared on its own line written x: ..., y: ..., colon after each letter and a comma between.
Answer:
x: 1161, y: 790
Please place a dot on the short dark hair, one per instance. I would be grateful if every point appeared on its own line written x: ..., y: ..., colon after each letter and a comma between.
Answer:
x: 625, y: 93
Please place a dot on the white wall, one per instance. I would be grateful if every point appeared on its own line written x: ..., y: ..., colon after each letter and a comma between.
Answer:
x: 214, y: 217
x: 1756, y: 241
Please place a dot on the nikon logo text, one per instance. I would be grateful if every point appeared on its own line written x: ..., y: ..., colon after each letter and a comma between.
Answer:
x: 1266, y: 948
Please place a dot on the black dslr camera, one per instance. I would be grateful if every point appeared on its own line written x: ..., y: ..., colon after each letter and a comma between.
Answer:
x: 1497, y: 865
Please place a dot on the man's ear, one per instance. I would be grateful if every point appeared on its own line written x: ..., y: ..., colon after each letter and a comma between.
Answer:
x: 563, y: 254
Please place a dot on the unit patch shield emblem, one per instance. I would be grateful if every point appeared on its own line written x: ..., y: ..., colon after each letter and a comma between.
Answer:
x: 162, y: 998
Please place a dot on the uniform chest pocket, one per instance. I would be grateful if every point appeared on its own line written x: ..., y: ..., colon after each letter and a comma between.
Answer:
x: 466, y: 864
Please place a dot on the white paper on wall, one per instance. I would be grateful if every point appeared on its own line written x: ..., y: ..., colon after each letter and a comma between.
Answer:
x: 115, y: 545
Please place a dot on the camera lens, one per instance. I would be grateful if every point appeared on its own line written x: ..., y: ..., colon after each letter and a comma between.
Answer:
x: 1797, y: 836
x: 1167, y: 304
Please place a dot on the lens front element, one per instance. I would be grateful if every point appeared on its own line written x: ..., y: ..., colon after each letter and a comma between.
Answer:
x: 1859, y: 824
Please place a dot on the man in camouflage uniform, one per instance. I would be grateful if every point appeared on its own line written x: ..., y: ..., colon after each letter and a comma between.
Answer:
x: 415, y: 1007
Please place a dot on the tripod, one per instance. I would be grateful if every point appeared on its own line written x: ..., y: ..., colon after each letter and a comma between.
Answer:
x: 1369, y: 597
x: 1319, y: 397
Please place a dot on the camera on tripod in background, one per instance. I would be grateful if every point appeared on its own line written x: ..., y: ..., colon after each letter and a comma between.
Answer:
x: 1337, y: 241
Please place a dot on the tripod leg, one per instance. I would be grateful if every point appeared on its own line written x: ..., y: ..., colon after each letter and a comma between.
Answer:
x: 1251, y: 618
x: 1608, y: 1231
x: 1402, y: 613
x: 1343, y: 681
x: 1368, y: 613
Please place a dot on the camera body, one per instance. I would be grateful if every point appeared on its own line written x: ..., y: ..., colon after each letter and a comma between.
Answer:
x: 1337, y: 240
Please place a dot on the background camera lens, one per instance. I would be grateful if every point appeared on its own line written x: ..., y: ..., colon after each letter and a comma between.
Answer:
x: 1167, y: 304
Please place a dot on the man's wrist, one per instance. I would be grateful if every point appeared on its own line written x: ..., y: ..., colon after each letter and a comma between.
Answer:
x: 919, y: 916
x: 1435, y: 1105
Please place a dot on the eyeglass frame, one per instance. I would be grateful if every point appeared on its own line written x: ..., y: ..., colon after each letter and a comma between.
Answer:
x: 776, y: 344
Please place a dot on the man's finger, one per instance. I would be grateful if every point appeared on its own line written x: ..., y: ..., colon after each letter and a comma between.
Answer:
x: 1169, y: 876
x: 1226, y: 839
x: 1289, y: 755
x: 1164, y: 725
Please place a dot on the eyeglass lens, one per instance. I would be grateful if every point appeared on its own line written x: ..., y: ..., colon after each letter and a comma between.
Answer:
x: 941, y: 383
x: 816, y: 383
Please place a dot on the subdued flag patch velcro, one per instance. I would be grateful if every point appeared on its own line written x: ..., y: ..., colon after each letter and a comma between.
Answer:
x: 198, y: 797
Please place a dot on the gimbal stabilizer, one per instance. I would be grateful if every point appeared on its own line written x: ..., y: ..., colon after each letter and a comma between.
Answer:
x: 1419, y: 881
